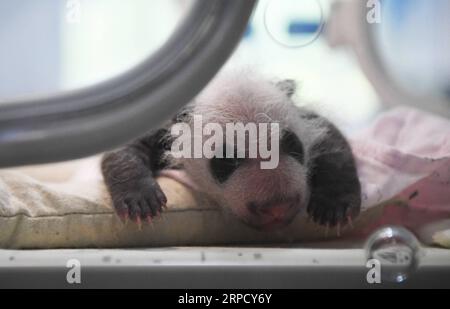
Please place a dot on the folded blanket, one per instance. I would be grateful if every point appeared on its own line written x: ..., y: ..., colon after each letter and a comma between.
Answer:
x: 403, y: 163
x: 405, y: 156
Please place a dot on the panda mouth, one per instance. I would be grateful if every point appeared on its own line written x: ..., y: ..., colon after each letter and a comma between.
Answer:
x: 274, y: 224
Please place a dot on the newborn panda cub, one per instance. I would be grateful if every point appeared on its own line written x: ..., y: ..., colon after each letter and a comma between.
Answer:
x: 315, y: 173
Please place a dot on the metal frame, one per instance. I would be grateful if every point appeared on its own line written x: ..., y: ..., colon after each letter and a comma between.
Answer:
x: 216, y: 267
x: 91, y: 120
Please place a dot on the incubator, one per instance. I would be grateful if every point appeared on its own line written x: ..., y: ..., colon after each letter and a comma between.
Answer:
x: 78, y: 78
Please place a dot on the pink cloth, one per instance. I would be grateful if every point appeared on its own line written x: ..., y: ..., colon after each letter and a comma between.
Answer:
x: 405, y: 155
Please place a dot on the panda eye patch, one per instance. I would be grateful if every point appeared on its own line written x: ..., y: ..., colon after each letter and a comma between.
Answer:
x: 223, y: 168
x: 291, y: 145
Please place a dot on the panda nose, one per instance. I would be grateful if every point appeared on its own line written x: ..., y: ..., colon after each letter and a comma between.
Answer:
x: 275, y: 212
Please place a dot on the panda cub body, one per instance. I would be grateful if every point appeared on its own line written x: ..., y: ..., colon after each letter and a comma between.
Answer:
x: 315, y: 170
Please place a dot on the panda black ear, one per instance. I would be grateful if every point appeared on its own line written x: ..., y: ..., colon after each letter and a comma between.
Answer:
x: 288, y: 86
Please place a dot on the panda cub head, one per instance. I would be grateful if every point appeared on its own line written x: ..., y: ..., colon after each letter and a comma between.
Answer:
x: 259, y: 170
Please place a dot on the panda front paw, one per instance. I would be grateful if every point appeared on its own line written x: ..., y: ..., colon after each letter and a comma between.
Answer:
x: 333, y: 211
x: 335, y: 190
x: 139, y: 200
